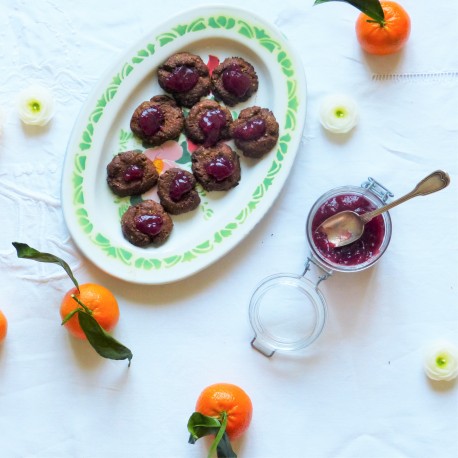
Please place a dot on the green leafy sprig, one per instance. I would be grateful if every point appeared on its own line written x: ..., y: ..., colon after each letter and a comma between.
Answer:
x: 27, y: 252
x: 371, y: 8
x: 200, y: 425
x: 102, y: 342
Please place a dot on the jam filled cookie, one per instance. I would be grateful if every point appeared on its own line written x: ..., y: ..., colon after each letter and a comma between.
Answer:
x: 216, y: 168
x: 157, y: 120
x: 255, y: 131
x: 208, y: 122
x: 234, y: 80
x: 185, y: 76
x: 146, y: 223
x: 131, y: 173
x: 176, y: 191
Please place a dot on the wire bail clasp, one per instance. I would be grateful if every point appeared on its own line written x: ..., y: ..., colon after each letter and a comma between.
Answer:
x: 378, y: 189
x: 326, y: 273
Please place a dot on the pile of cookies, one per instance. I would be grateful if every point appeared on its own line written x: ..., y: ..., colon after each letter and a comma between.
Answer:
x: 209, y: 123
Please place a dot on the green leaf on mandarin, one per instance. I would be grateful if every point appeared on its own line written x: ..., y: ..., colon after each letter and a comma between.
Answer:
x: 224, y: 448
x: 200, y: 425
x: 371, y: 8
x: 26, y: 252
x: 102, y: 342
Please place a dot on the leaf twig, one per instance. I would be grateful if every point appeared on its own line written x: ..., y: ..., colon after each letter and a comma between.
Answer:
x: 102, y: 342
x: 25, y: 251
x: 371, y: 8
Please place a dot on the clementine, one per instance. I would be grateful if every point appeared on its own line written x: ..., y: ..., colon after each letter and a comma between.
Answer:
x: 387, y: 36
x: 225, y: 397
x: 3, y: 326
x: 96, y: 298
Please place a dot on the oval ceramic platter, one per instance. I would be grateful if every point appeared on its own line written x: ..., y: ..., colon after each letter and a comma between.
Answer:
x: 92, y: 212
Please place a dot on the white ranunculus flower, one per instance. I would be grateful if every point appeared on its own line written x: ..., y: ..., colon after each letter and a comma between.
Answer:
x: 441, y: 361
x: 36, y: 105
x: 338, y: 113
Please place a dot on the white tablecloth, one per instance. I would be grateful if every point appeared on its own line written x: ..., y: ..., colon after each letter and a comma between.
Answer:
x: 360, y: 389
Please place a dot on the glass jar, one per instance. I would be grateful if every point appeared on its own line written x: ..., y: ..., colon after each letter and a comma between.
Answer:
x: 288, y: 311
x: 366, y: 251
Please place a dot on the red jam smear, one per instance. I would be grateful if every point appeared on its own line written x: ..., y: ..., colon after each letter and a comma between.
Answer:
x: 133, y: 173
x: 235, y: 80
x: 250, y: 130
x: 151, y: 120
x: 220, y: 168
x: 180, y: 185
x: 211, y: 124
x: 182, y: 79
x: 362, y: 249
x: 149, y: 224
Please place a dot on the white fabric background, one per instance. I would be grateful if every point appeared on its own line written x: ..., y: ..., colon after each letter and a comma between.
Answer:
x: 360, y: 390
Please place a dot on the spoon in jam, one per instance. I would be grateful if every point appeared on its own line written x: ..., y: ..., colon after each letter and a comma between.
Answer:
x: 347, y: 226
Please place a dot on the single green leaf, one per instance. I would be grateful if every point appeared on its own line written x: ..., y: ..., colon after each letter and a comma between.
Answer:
x: 371, y: 8
x: 102, y: 342
x: 200, y: 425
x: 224, y: 448
x: 27, y: 252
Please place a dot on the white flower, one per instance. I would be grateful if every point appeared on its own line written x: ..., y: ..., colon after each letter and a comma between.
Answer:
x: 338, y: 113
x: 441, y: 361
x: 36, y: 105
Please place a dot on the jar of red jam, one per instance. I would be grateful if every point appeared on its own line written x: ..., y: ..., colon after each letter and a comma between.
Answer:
x: 367, y: 250
x: 288, y: 311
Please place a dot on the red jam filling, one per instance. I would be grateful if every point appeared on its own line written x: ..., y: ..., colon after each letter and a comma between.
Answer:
x: 149, y: 224
x: 211, y: 124
x: 362, y: 249
x: 250, y: 130
x: 220, y: 168
x: 151, y: 120
x: 235, y: 80
x: 180, y: 185
x: 133, y: 173
x: 182, y: 79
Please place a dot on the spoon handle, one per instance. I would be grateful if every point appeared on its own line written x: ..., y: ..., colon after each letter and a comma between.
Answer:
x: 432, y: 183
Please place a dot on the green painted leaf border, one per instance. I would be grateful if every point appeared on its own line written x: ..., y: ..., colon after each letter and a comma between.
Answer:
x: 249, y: 31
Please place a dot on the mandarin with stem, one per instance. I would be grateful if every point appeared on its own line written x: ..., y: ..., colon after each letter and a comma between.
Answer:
x: 98, y: 299
x: 228, y: 398
x: 387, y: 36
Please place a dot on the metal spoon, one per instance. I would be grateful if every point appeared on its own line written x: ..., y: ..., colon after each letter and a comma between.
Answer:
x: 347, y: 226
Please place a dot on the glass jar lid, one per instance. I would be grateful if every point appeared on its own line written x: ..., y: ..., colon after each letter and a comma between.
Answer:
x: 287, y: 312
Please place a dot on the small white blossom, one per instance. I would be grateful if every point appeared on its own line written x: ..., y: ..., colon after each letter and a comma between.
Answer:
x: 441, y: 361
x: 36, y: 105
x: 338, y: 113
